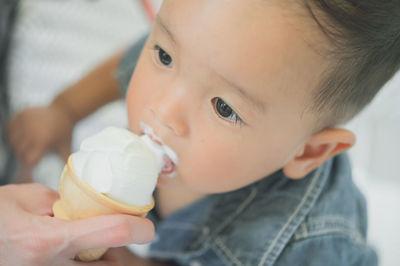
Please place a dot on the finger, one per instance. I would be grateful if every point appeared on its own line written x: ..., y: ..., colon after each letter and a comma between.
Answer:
x: 21, y: 149
x: 14, y: 126
x: 64, y: 151
x: 113, y: 256
x: 33, y: 155
x: 27, y: 154
x: 12, y: 136
x: 72, y: 262
x: 41, y: 198
x: 109, y: 231
x: 10, y: 127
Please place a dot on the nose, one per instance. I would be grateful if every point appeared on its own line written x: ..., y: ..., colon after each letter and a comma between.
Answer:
x: 170, y: 108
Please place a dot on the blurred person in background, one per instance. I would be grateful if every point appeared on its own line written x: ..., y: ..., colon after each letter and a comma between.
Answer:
x: 7, y: 17
x: 52, y: 45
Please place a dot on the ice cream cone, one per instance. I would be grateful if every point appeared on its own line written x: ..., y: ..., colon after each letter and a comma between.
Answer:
x: 78, y: 200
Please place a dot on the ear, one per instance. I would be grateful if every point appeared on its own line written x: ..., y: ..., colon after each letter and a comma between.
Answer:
x: 319, y: 148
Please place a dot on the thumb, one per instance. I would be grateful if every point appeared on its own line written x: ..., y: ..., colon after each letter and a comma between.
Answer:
x: 107, y: 231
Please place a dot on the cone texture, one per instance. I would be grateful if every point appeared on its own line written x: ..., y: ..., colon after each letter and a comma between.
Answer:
x: 78, y: 200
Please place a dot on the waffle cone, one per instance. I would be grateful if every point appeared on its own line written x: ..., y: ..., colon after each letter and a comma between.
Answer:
x: 78, y: 200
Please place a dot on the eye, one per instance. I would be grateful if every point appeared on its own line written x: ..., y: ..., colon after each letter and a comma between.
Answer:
x: 162, y: 56
x: 225, y: 111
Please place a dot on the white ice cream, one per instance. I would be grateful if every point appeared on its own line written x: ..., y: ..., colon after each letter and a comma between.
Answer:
x: 121, y: 165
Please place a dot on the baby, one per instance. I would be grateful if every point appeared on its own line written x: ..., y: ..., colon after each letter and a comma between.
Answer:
x: 249, y: 94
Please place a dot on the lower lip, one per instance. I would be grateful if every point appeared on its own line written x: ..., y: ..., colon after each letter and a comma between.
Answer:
x: 169, y: 166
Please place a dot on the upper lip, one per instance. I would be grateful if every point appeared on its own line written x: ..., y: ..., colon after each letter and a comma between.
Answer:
x: 148, y: 131
x: 155, y: 139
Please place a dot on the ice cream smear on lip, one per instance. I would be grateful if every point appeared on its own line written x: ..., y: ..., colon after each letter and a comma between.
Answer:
x: 122, y: 165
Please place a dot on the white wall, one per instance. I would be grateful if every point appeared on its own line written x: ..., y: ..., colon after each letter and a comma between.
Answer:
x: 376, y: 168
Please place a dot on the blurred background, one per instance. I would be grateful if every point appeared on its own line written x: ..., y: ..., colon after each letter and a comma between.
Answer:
x: 55, y: 43
x: 376, y: 167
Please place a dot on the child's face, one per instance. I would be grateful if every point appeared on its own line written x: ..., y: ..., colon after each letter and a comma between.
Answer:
x: 225, y: 84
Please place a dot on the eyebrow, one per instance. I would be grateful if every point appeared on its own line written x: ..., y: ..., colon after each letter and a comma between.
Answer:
x: 164, y: 28
x: 244, y: 93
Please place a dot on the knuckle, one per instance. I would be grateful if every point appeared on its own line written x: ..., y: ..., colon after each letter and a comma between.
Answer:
x: 28, y: 243
x: 41, y: 241
x: 34, y: 251
x: 122, y: 232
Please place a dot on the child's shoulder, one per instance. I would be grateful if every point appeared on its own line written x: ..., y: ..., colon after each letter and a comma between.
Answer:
x: 278, y: 219
x: 272, y: 221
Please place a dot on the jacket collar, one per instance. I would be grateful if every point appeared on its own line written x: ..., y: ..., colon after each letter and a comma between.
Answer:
x: 279, y: 203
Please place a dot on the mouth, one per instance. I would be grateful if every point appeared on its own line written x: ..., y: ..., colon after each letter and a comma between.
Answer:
x: 168, y: 156
x: 155, y: 139
x: 169, y: 166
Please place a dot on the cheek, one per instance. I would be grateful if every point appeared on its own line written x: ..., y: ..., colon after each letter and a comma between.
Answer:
x: 205, y: 168
x: 218, y: 165
x: 139, y: 94
x: 134, y: 105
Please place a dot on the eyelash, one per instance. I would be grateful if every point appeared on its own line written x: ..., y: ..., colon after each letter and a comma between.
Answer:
x: 233, y: 117
x: 157, y: 54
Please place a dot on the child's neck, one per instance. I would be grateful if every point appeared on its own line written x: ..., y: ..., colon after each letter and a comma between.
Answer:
x: 172, y: 200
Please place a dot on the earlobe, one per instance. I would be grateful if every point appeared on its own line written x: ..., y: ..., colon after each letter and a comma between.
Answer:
x: 318, y: 149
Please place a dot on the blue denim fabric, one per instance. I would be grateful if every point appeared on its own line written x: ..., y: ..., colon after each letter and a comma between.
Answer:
x: 318, y: 220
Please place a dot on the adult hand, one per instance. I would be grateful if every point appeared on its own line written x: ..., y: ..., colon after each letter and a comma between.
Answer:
x: 29, y: 235
x: 122, y: 256
x: 34, y: 131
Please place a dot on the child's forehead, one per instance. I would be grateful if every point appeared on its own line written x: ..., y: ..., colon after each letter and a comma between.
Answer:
x: 254, y: 42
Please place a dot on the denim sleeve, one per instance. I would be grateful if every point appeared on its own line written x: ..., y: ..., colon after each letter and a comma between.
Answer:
x: 128, y: 64
x: 327, y: 250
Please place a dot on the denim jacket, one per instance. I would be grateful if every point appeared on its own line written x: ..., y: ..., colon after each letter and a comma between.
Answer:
x: 318, y: 220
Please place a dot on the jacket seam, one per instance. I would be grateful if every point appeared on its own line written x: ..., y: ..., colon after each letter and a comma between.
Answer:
x: 240, y: 209
x: 290, y: 224
x: 331, y: 224
x: 227, y: 252
x: 329, y: 231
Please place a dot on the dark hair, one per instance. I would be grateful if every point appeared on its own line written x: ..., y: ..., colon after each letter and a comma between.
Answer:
x: 365, y: 53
